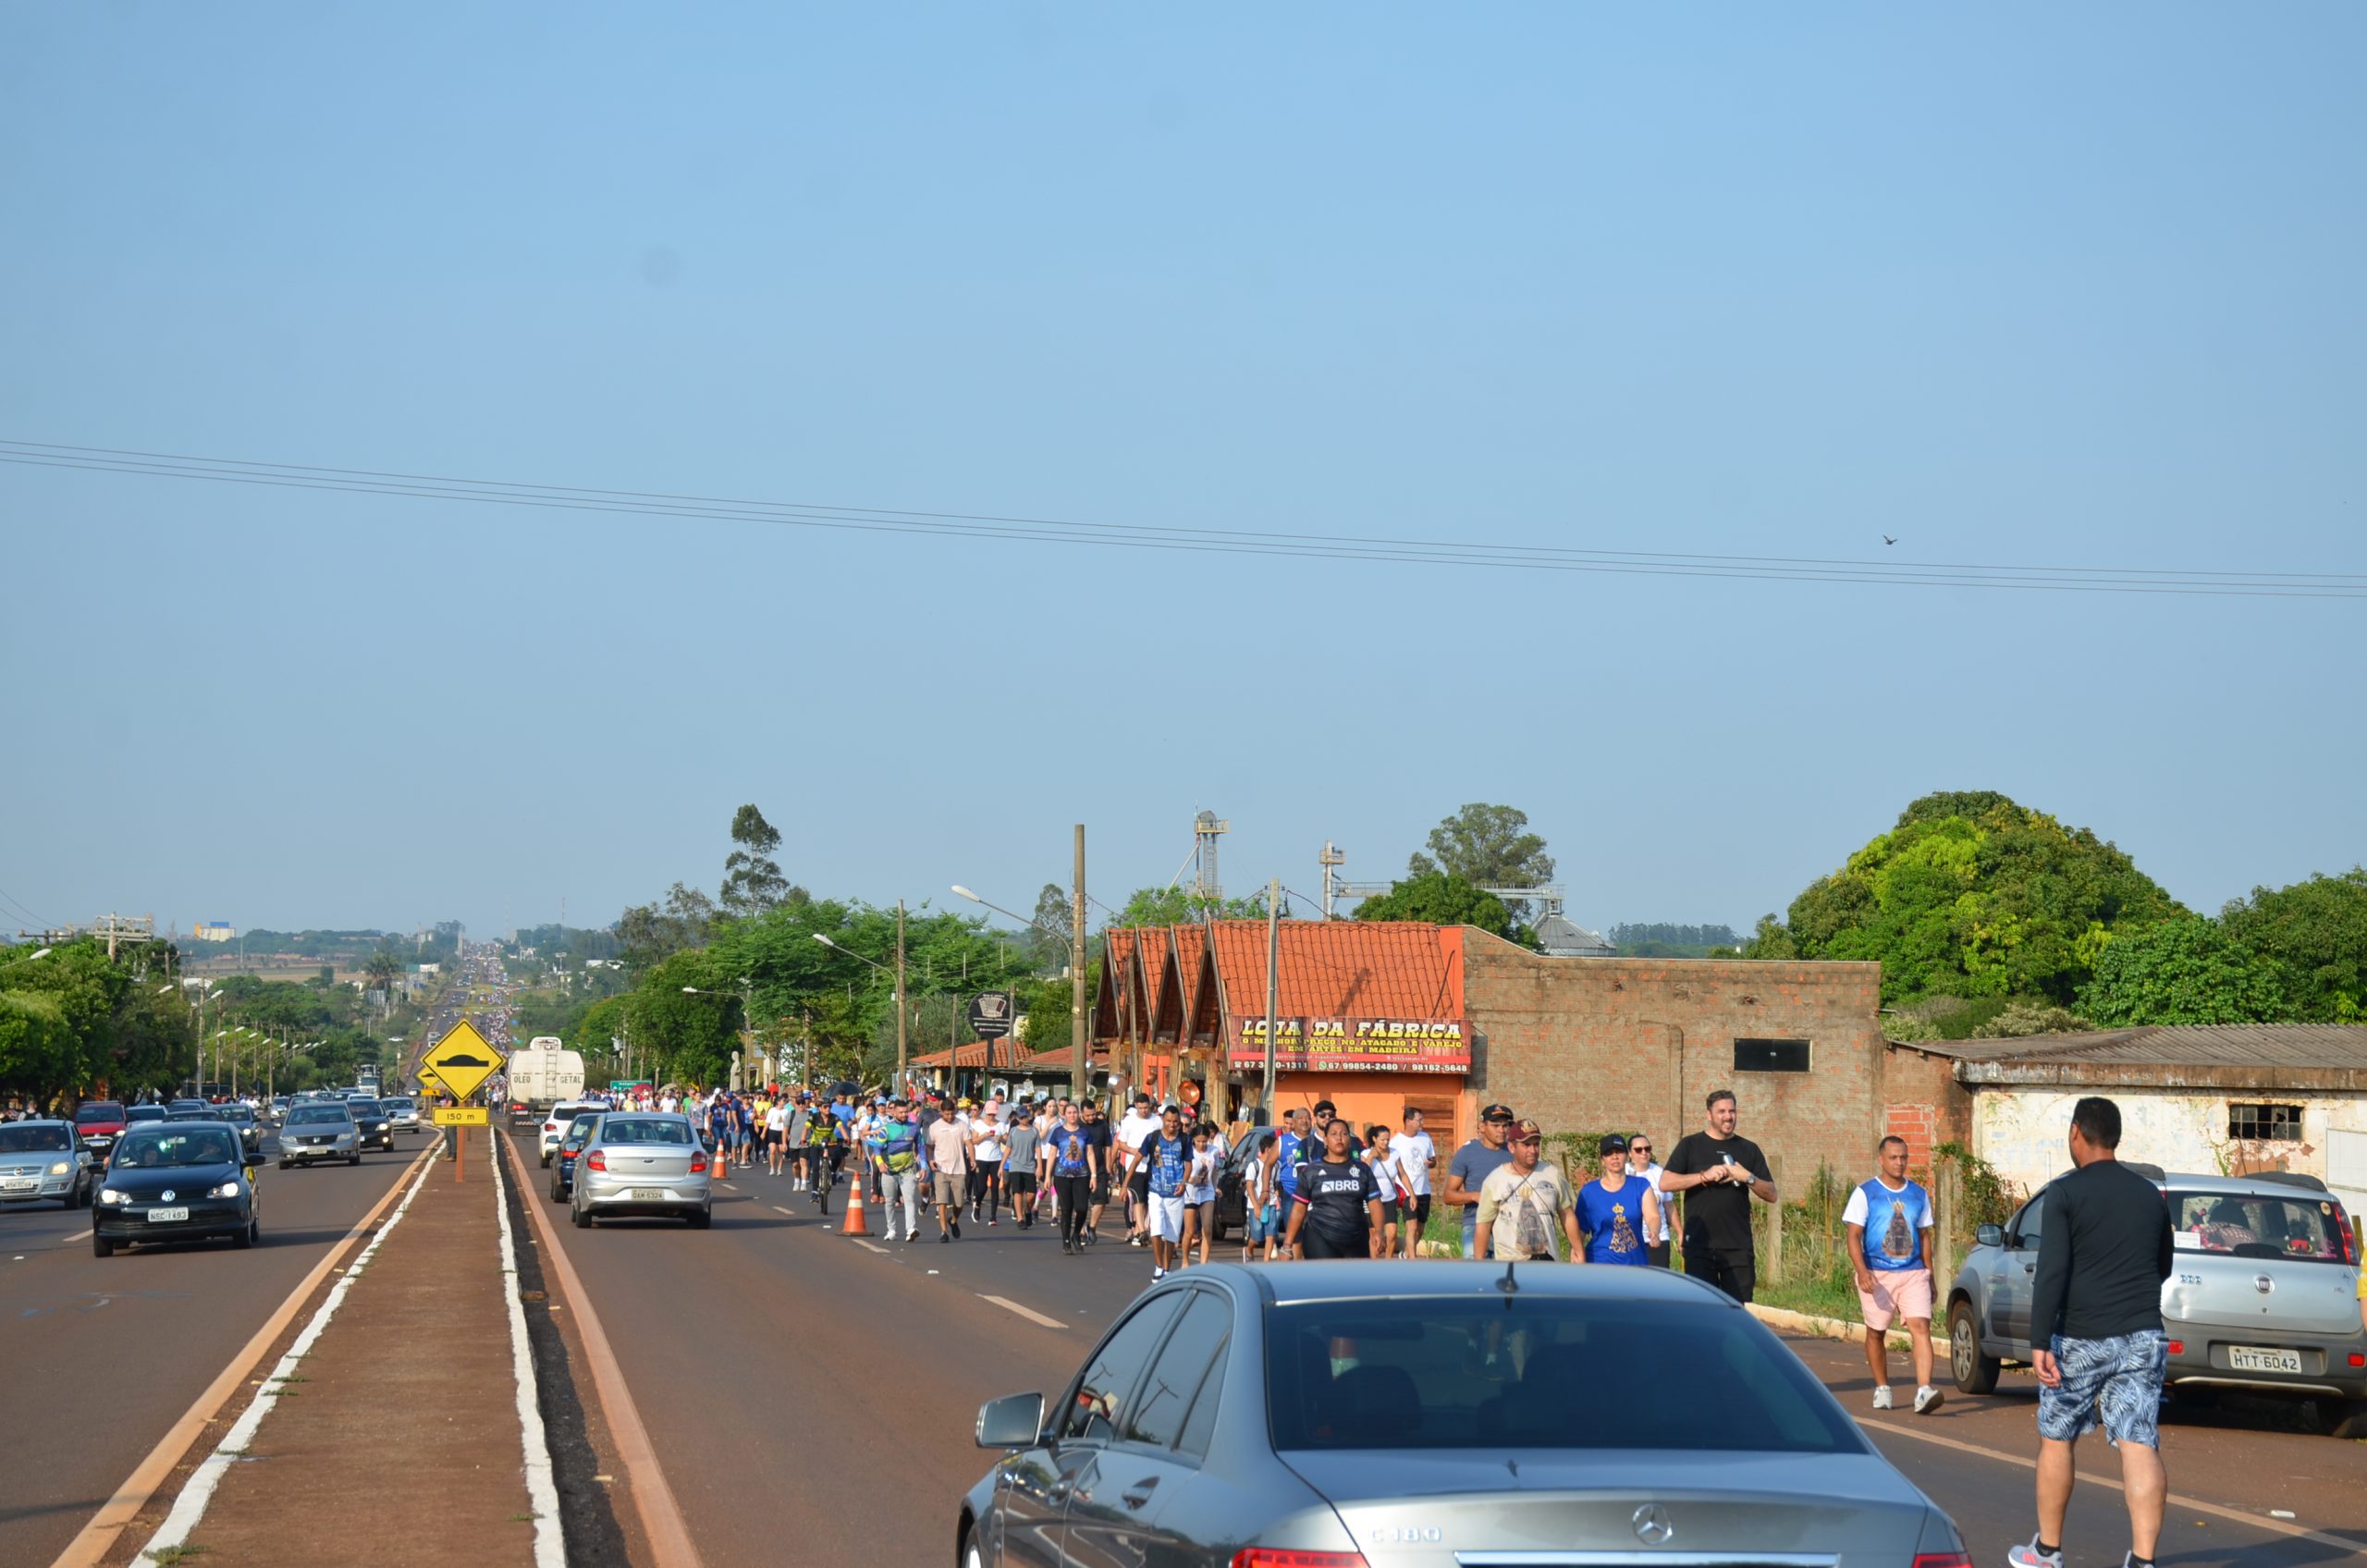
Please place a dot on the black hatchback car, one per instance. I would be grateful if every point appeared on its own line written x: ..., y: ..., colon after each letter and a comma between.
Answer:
x: 374, y: 1125
x: 174, y: 1181
x: 238, y: 1116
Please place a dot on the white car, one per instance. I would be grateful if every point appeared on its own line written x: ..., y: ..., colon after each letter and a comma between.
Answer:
x: 554, y: 1125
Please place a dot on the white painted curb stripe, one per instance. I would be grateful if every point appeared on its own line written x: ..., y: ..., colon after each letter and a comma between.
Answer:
x: 189, y: 1507
x: 550, y: 1548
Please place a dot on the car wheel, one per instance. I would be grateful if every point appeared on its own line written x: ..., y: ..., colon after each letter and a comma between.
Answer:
x: 2343, y: 1417
x: 1975, y: 1373
x: 702, y: 1220
x: 353, y: 1159
x: 582, y: 1217
x: 557, y: 1197
x: 101, y: 1247
x: 969, y: 1558
x: 247, y: 1237
x: 547, y: 1162
x: 283, y: 1165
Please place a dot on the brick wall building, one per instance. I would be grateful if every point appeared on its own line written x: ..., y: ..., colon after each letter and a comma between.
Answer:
x: 1638, y: 1044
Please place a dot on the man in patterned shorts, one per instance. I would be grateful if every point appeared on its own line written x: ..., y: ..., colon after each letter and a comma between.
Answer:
x: 2096, y: 1307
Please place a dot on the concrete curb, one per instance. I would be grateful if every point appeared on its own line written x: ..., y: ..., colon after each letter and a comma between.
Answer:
x: 1792, y: 1322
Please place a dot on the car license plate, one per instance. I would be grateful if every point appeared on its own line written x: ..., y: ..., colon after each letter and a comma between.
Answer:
x: 650, y: 1194
x: 20, y: 1185
x: 154, y: 1215
x: 2251, y: 1358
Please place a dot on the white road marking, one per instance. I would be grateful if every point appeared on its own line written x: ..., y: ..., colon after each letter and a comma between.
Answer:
x: 880, y: 1250
x: 189, y: 1507
x: 550, y: 1549
x: 778, y: 1209
x: 731, y: 1187
x: 1027, y: 1311
x: 79, y: 1236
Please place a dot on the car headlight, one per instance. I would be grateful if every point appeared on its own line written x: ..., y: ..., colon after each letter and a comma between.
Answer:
x: 60, y: 1167
x: 226, y: 1190
x: 111, y: 1195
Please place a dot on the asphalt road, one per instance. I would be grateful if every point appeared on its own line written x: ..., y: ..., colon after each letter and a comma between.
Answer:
x: 841, y: 1377
x: 102, y: 1355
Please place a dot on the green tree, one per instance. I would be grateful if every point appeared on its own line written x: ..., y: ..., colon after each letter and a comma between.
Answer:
x: 752, y: 879
x: 1173, y: 906
x: 1972, y: 895
x: 2183, y: 970
x: 1445, y: 899
x: 1487, y: 846
x: 2317, y: 932
x: 650, y: 933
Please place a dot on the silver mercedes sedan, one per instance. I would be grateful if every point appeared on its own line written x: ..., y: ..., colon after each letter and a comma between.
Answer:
x: 1439, y: 1415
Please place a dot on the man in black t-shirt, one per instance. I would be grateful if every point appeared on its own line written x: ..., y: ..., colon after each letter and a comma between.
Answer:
x: 1719, y: 1173
x: 1338, y: 1209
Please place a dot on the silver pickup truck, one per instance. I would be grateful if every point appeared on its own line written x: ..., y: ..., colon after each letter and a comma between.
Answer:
x: 2264, y: 1295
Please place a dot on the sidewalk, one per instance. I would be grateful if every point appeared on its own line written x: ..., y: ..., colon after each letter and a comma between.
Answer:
x: 396, y: 1438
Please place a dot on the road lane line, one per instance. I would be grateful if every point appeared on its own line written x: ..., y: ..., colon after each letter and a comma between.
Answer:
x: 79, y: 1236
x: 661, y: 1518
x: 550, y: 1547
x: 98, y: 1537
x: 778, y: 1209
x: 2299, y: 1532
x: 1027, y: 1311
x: 872, y: 1246
x: 190, y: 1506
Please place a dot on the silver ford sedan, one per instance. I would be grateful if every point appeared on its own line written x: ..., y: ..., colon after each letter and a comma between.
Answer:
x: 647, y: 1163
x: 1431, y: 1414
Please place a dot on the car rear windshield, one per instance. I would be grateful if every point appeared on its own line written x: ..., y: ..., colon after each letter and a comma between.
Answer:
x: 208, y: 1114
x: 33, y: 1139
x: 2302, y: 1226
x: 200, y: 1145
x: 364, y: 1107
x: 100, y: 1110
x: 1538, y: 1371
x: 398, y: 1103
x: 317, y: 1116
x: 644, y: 1130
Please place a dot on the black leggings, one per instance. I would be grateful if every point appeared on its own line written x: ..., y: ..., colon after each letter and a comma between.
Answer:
x: 1075, y: 1194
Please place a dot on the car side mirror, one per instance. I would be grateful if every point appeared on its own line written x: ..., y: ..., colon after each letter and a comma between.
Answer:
x: 1012, y: 1421
x: 1990, y: 1235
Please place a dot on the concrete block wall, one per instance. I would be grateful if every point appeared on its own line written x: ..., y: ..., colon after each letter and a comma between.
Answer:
x: 1637, y: 1043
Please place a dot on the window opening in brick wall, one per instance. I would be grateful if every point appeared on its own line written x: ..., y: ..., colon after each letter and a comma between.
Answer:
x: 1771, y: 1056
x: 2265, y: 1123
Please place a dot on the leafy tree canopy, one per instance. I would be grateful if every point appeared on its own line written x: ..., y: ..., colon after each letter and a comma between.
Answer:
x: 1445, y: 899
x: 1173, y: 906
x: 2183, y: 970
x: 1971, y: 895
x: 1660, y: 939
x: 2317, y: 932
x: 1488, y: 846
x: 752, y: 879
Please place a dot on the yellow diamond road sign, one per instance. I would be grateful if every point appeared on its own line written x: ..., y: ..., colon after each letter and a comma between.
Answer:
x: 462, y: 1060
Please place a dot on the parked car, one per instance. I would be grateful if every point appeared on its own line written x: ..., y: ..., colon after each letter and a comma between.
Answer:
x: 2263, y: 1296
x: 319, y: 1129
x: 1424, y: 1413
x: 44, y: 1159
x: 99, y: 1123
x: 642, y: 1163
x: 374, y: 1127
x: 182, y: 1181
x: 556, y: 1124
x: 571, y: 1148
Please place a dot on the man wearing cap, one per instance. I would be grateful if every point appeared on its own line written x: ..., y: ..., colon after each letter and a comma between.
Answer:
x: 1523, y: 1201
x: 1618, y: 1211
x: 1469, y: 1170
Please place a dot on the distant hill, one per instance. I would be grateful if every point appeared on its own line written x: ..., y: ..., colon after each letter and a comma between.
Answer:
x: 1660, y: 939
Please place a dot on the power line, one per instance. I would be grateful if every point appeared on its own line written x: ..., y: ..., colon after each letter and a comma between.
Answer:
x: 2115, y: 580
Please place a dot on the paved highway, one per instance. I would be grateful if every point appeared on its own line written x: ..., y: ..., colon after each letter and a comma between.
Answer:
x: 843, y: 1375
x: 102, y: 1355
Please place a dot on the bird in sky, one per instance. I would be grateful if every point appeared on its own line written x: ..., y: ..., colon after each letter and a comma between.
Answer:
x: 1888, y: 540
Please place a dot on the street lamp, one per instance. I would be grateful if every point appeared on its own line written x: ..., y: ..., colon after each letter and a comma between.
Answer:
x: 1079, y: 1052
x: 37, y: 952
x: 206, y: 990
x: 903, y: 1047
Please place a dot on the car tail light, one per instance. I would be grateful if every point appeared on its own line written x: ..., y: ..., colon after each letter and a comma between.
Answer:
x: 698, y: 1165
x: 1942, y: 1559
x: 1275, y: 1557
x: 595, y: 1160
x: 2177, y: 1347
x: 2358, y: 1360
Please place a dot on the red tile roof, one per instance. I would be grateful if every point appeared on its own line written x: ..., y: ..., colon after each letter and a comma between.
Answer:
x: 1330, y: 969
x: 993, y: 1055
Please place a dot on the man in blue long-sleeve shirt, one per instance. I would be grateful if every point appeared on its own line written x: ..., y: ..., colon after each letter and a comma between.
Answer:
x: 2096, y: 1334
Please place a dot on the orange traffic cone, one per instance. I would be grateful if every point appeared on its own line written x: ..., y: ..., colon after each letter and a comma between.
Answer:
x: 855, y: 1225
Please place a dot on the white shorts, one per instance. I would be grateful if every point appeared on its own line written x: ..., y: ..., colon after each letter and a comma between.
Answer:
x: 1167, y: 1218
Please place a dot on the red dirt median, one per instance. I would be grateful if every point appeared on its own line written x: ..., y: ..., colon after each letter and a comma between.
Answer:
x: 404, y: 1410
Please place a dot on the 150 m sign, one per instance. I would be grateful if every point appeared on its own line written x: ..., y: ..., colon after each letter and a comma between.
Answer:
x: 1355, y: 1045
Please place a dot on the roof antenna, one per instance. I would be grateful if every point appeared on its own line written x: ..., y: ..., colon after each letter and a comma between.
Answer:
x: 1509, y: 1285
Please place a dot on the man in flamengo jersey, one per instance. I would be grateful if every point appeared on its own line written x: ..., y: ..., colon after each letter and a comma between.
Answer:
x: 1337, y: 1207
x: 1617, y: 1211
x: 1165, y: 1159
x: 1071, y: 1156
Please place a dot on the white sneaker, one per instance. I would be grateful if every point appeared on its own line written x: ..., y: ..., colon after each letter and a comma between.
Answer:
x: 1882, y: 1396
x: 1928, y: 1399
x: 2027, y: 1555
x: 1157, y: 1274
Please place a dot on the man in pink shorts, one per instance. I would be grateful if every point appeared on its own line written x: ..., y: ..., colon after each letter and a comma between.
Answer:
x: 1890, y: 1250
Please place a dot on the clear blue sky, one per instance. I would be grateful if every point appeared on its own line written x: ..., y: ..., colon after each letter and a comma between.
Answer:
x: 2021, y: 285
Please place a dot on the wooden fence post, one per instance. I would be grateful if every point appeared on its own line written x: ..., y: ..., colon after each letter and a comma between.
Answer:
x: 1946, y: 1202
